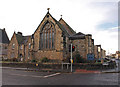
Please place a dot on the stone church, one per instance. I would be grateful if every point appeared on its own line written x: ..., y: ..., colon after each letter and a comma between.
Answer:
x: 51, y: 39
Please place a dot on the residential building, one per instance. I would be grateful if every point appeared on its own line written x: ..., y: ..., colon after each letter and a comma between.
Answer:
x: 4, y: 41
x: 20, y: 47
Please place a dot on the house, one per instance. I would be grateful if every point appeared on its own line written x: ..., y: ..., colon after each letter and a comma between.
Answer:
x: 4, y: 41
x: 103, y: 53
x: 20, y: 47
x: 117, y: 55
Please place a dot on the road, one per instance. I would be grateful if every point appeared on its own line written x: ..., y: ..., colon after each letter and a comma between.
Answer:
x: 22, y: 77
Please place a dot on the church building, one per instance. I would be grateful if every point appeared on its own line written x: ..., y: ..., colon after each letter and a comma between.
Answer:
x: 51, y: 39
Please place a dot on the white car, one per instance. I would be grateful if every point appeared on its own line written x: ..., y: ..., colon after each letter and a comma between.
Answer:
x: 105, y: 63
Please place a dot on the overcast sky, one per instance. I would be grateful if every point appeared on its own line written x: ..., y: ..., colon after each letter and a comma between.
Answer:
x: 96, y: 17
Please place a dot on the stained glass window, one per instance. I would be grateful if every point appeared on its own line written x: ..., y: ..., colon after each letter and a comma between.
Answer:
x: 47, y: 35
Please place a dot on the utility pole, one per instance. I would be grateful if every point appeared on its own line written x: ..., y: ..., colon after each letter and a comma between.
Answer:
x: 71, y: 57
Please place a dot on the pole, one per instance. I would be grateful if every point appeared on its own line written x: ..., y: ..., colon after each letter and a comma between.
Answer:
x: 71, y: 57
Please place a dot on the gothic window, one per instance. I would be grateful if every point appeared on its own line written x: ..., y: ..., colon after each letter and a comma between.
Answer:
x: 41, y: 39
x: 47, y: 35
x: 47, y: 40
x: 52, y: 38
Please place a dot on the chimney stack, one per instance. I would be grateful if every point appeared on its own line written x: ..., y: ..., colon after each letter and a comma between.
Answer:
x: 19, y: 33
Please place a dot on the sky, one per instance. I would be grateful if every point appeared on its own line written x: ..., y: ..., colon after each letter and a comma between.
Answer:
x: 96, y: 17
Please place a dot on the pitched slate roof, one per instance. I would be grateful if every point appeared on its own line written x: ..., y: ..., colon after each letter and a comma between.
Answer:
x: 26, y: 38
x: 78, y: 35
x: 22, y: 39
x: 67, y: 27
x: 19, y: 38
x: 57, y: 22
x: 3, y: 36
x: 62, y: 28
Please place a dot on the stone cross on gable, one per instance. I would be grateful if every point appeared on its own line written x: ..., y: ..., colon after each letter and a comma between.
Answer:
x: 48, y: 9
x: 61, y: 16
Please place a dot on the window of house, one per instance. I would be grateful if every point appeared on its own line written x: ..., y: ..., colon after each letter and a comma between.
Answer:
x: 21, y: 47
x: 13, y: 46
x: 88, y: 41
x: 29, y: 45
x: 47, y: 34
x: 28, y: 55
x: 12, y: 55
x: 64, y: 41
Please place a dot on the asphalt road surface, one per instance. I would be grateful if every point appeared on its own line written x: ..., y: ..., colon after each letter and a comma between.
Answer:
x: 21, y: 77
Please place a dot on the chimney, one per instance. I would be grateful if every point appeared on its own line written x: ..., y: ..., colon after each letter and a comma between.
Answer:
x: 4, y: 29
x: 19, y: 33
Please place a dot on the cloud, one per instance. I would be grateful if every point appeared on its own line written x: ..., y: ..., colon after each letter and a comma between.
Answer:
x: 108, y: 39
x: 82, y: 15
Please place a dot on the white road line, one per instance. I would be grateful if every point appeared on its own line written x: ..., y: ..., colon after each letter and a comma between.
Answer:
x: 26, y: 75
x: 51, y: 75
x: 37, y: 76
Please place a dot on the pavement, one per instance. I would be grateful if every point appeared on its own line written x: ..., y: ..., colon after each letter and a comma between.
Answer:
x: 111, y: 71
x: 76, y: 71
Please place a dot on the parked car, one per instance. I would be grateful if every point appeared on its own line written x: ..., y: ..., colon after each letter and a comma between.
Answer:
x: 105, y: 63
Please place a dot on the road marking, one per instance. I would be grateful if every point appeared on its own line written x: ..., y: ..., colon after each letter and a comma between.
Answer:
x: 26, y: 75
x: 51, y: 75
x: 37, y: 76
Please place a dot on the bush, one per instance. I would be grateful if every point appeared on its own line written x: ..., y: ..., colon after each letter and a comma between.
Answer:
x: 12, y: 60
x: 67, y: 59
x: 78, y: 59
x: 44, y: 59
x: 15, y: 60
x: 33, y: 60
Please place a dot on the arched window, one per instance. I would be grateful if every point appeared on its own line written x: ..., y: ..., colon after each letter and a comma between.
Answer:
x: 47, y: 39
x: 41, y: 40
x: 47, y: 35
x: 52, y: 38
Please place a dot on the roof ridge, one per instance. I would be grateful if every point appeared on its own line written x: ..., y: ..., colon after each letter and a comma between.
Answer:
x: 60, y: 26
x: 68, y: 25
x: 4, y: 36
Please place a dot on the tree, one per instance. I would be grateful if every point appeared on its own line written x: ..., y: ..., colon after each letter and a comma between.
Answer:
x: 77, y: 58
